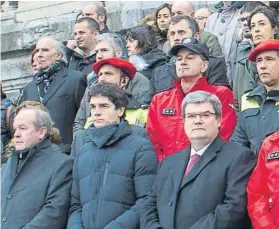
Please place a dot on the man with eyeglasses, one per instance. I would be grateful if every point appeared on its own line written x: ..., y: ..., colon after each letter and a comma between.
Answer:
x: 204, y: 185
x: 201, y: 16
x: 164, y: 122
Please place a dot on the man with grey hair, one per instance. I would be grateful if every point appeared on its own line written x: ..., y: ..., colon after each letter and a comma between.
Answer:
x: 98, y: 13
x: 110, y: 45
x: 209, y: 176
x: 57, y: 87
x: 37, y: 178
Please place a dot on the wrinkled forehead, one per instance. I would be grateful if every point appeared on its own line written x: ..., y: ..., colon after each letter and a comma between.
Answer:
x: 46, y: 43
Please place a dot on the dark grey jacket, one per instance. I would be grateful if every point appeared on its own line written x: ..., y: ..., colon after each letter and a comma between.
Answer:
x: 258, y: 118
x: 212, y: 196
x: 81, y: 64
x: 38, y: 196
x: 113, y: 171
x: 62, y: 101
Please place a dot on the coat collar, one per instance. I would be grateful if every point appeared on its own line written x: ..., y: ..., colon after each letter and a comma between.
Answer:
x: 56, y: 84
x: 201, y: 84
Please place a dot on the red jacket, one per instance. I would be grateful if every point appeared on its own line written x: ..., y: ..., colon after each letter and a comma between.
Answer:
x: 263, y: 186
x: 165, y: 123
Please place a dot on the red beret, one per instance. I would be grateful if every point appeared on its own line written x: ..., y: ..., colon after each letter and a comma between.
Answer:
x: 125, y: 65
x: 268, y: 45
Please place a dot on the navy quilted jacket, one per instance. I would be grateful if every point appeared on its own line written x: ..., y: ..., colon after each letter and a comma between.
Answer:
x: 113, y: 171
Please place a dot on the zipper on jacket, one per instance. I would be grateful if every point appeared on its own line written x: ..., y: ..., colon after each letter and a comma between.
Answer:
x: 106, y: 173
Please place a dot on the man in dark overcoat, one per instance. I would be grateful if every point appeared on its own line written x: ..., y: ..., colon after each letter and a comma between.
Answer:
x: 203, y: 186
x: 57, y: 87
x: 37, y: 179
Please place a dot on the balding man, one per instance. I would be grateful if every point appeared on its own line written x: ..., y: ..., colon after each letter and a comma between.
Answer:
x: 57, y: 87
x: 98, y: 13
x: 201, y: 16
x: 185, y: 8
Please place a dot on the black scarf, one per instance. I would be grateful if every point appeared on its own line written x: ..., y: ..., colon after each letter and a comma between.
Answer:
x: 44, y: 77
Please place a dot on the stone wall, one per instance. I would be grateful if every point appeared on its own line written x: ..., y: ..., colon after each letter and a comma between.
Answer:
x: 21, y: 28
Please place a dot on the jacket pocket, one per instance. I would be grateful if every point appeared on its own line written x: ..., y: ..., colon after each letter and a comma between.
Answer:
x: 106, y: 173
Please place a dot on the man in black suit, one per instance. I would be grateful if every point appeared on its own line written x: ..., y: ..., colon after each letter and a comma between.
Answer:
x: 204, y: 186
x: 57, y: 87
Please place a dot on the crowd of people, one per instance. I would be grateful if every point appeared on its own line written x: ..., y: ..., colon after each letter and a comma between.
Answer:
x: 171, y: 124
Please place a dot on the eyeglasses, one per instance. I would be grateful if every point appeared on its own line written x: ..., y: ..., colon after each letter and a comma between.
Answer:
x: 242, y: 19
x: 200, y: 18
x: 203, y: 116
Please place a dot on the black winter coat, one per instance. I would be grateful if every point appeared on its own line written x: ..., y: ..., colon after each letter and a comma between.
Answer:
x: 113, y: 172
x: 81, y: 64
x: 152, y: 59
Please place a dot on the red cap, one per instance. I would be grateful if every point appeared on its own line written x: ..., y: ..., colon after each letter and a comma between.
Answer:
x: 268, y: 45
x: 125, y: 65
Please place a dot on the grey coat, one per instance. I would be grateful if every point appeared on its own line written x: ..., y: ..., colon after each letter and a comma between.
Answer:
x: 38, y: 195
x: 113, y: 172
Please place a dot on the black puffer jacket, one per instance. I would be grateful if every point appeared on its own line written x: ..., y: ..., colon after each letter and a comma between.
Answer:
x: 152, y: 59
x: 82, y: 64
x: 113, y: 171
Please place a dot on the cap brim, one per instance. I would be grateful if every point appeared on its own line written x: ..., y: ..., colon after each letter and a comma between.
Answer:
x: 175, y: 49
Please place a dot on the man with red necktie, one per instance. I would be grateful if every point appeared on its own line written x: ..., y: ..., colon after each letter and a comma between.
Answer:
x: 204, y: 185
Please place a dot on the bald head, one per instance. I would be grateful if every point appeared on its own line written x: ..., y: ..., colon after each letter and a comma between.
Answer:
x: 97, y: 12
x: 183, y: 8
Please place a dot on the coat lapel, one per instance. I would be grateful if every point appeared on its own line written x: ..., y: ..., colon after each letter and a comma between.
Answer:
x: 57, y: 82
x: 179, y: 168
x: 204, y: 160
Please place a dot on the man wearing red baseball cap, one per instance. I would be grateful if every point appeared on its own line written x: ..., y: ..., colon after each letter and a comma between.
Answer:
x: 259, y: 114
x: 120, y: 72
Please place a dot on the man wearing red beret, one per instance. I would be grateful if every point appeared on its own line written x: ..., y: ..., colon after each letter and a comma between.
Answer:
x: 259, y: 114
x: 120, y: 72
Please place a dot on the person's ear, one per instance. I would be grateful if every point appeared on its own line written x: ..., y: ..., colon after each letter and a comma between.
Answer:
x: 124, y: 81
x: 204, y: 66
x: 275, y: 30
x: 42, y: 132
x: 101, y: 18
x: 59, y: 55
x: 118, y: 53
x: 197, y: 36
x: 121, y: 111
x: 192, y: 14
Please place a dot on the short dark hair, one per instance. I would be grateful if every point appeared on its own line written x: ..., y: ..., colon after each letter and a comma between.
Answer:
x: 250, y: 6
x: 269, y: 13
x: 93, y: 24
x: 165, y: 5
x: 193, y: 25
x: 111, y: 91
x: 145, y: 36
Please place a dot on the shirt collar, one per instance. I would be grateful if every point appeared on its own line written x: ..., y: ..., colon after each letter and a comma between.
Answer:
x: 201, y: 151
